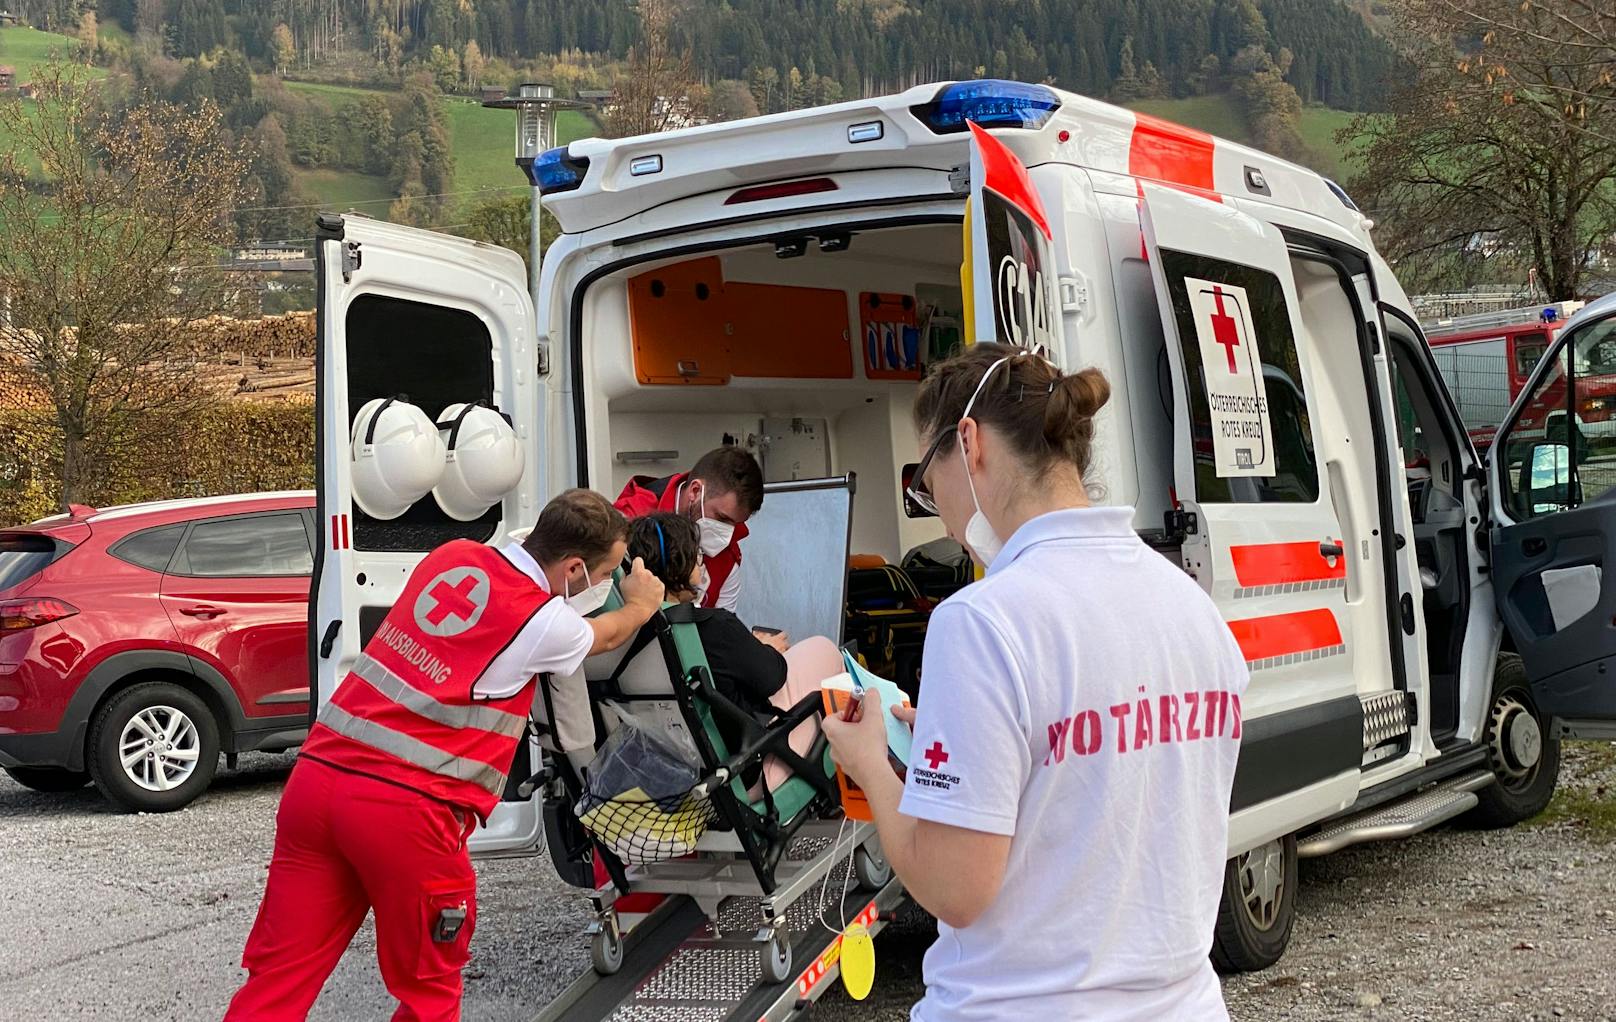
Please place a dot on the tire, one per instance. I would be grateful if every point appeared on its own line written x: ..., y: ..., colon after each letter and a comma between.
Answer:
x: 1258, y: 907
x: 55, y: 779
x: 155, y: 783
x: 606, y: 951
x: 774, y: 960
x: 870, y: 867
x: 1523, y: 789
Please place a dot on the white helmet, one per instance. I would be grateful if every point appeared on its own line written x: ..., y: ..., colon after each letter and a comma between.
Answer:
x: 397, y: 457
x: 482, y: 460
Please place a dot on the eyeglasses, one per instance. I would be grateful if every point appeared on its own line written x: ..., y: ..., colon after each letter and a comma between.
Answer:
x: 917, y: 489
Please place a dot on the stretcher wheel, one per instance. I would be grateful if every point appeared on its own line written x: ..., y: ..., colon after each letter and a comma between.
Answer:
x: 775, y: 958
x: 870, y: 866
x: 606, y: 951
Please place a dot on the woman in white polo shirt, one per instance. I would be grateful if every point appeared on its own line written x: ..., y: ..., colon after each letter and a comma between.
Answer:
x: 1065, y: 813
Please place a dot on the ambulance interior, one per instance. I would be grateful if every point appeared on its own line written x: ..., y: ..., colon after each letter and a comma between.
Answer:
x: 806, y: 350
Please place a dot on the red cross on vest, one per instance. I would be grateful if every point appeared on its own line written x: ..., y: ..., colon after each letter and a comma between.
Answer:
x: 935, y: 756
x: 1224, y: 329
x: 452, y: 600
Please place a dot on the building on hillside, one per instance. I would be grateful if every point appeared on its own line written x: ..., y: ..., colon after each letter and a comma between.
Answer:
x: 271, y: 251
x: 8, y: 19
x: 600, y: 97
x: 28, y: 90
x: 8, y: 77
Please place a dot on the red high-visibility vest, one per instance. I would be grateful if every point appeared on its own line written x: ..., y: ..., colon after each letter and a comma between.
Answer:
x: 406, y: 713
x: 643, y: 495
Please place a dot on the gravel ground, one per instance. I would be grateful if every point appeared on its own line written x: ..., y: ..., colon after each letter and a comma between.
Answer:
x: 122, y: 917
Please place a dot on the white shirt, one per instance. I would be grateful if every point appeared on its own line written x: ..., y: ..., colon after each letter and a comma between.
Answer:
x: 729, y: 596
x: 1030, y: 726
x: 555, y: 641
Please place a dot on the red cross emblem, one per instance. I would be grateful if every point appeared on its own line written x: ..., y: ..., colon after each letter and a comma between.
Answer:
x: 1224, y: 329
x: 935, y: 756
x: 452, y: 600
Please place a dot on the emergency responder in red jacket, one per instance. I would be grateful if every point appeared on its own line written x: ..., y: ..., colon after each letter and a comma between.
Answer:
x: 413, y: 750
x: 721, y: 492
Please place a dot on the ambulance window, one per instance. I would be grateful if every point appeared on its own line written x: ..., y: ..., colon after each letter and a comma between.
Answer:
x: 1250, y: 431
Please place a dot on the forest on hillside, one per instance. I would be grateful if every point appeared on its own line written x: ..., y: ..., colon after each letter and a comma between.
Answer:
x: 862, y: 46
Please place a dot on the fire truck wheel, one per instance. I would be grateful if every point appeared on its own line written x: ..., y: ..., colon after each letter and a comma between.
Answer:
x: 1258, y: 907
x: 1520, y: 749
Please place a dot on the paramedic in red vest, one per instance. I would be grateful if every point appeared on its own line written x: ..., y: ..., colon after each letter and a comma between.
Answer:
x: 413, y: 750
x: 720, y: 493
x: 1065, y: 813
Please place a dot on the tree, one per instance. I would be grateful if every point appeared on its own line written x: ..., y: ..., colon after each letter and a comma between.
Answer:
x: 653, y: 93
x: 89, y: 31
x: 105, y: 267
x: 732, y: 101
x: 283, y: 46
x: 445, y: 67
x: 507, y: 222
x: 472, y: 64
x: 1503, y: 137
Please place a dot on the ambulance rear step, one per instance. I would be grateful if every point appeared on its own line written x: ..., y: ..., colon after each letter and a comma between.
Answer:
x: 1403, y: 818
x: 676, y: 967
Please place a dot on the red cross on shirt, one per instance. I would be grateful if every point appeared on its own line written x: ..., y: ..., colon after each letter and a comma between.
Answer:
x: 1224, y: 330
x: 935, y: 756
x: 453, y: 600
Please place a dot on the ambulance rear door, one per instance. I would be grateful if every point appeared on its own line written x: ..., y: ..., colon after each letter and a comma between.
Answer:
x: 1254, y: 509
x: 433, y: 321
x: 1552, y: 487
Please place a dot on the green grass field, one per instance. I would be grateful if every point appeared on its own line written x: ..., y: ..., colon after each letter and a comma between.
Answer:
x: 341, y: 189
x: 25, y: 49
x: 483, y: 140
x: 1220, y: 115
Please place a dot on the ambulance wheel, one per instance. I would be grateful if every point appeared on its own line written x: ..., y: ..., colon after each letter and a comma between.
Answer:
x: 1522, y: 751
x: 775, y: 958
x: 153, y: 748
x: 1258, y: 907
x: 870, y: 866
x: 606, y: 951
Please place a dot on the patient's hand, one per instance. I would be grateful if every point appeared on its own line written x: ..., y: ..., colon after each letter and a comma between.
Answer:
x: 779, y: 640
x: 642, y: 588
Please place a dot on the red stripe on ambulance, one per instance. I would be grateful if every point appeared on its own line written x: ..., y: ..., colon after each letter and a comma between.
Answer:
x: 1171, y: 153
x: 1261, y: 638
x: 1272, y: 564
x: 820, y: 968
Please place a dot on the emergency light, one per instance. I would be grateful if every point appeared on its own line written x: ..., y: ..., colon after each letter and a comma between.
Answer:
x: 991, y: 103
x: 556, y: 171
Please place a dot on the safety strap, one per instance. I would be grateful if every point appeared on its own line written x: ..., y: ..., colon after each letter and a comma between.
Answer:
x: 453, y: 425
x: 370, y: 428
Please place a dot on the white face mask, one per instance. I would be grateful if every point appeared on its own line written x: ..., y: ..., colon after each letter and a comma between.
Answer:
x: 591, y: 599
x: 715, y: 535
x: 979, y: 534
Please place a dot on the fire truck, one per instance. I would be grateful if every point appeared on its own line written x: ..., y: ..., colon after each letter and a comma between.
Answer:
x: 1486, y: 359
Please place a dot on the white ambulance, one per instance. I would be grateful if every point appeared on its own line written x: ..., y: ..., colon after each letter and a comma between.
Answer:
x: 1418, y: 646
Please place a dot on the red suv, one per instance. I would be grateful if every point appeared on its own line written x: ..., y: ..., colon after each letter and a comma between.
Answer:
x: 140, y: 642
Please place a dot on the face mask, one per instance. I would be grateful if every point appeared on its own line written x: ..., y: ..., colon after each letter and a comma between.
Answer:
x: 979, y: 534
x: 591, y: 599
x: 715, y: 535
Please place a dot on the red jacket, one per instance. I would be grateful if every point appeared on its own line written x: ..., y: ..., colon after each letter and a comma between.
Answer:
x: 406, y: 713
x: 643, y: 495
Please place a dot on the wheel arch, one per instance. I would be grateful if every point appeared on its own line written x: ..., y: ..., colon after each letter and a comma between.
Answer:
x: 123, y: 670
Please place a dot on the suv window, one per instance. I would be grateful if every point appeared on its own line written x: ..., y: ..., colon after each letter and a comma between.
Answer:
x: 152, y: 548
x: 1294, y: 474
x: 268, y: 544
x: 24, y: 555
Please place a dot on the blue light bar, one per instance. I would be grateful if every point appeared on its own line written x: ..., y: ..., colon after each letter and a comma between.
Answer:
x: 991, y: 103
x: 555, y: 171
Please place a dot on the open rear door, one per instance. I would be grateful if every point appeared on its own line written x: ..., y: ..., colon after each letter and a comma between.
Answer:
x: 1256, y: 514
x: 1552, y: 472
x: 431, y: 321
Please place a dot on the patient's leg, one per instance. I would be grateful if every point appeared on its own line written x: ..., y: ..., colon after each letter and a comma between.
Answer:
x: 808, y: 663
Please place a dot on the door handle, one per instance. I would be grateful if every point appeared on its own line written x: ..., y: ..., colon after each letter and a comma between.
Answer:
x: 1330, y: 548
x: 203, y: 611
x: 330, y: 638
x: 1534, y: 546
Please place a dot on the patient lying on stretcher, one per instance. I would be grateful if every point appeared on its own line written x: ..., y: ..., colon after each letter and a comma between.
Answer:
x: 754, y: 671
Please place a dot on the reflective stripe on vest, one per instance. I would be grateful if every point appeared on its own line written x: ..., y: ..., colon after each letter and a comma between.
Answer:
x: 482, y: 718
x: 412, y: 750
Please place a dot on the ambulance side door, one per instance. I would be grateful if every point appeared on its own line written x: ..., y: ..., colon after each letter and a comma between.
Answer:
x: 1260, y: 530
x: 434, y: 321
x: 1552, y: 483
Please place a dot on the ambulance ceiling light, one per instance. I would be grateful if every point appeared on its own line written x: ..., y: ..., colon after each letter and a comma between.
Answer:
x: 640, y: 166
x: 840, y: 241
x: 868, y: 131
x: 557, y: 171
x: 991, y: 103
x: 791, y: 248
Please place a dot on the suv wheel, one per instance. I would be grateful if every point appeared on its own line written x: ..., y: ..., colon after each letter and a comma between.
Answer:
x: 153, y: 748
x: 49, y: 778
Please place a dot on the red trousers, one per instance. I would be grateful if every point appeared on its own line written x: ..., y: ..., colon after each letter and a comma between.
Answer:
x: 346, y: 844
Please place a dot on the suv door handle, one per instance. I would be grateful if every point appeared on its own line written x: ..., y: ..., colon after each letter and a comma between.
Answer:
x: 1330, y: 548
x: 203, y: 611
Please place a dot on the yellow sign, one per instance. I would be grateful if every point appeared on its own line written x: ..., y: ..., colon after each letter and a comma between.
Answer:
x: 858, y: 961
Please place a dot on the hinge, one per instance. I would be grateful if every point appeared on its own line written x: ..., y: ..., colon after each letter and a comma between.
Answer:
x: 959, y: 179
x: 1180, y: 523
x: 1074, y: 294
x: 351, y: 260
